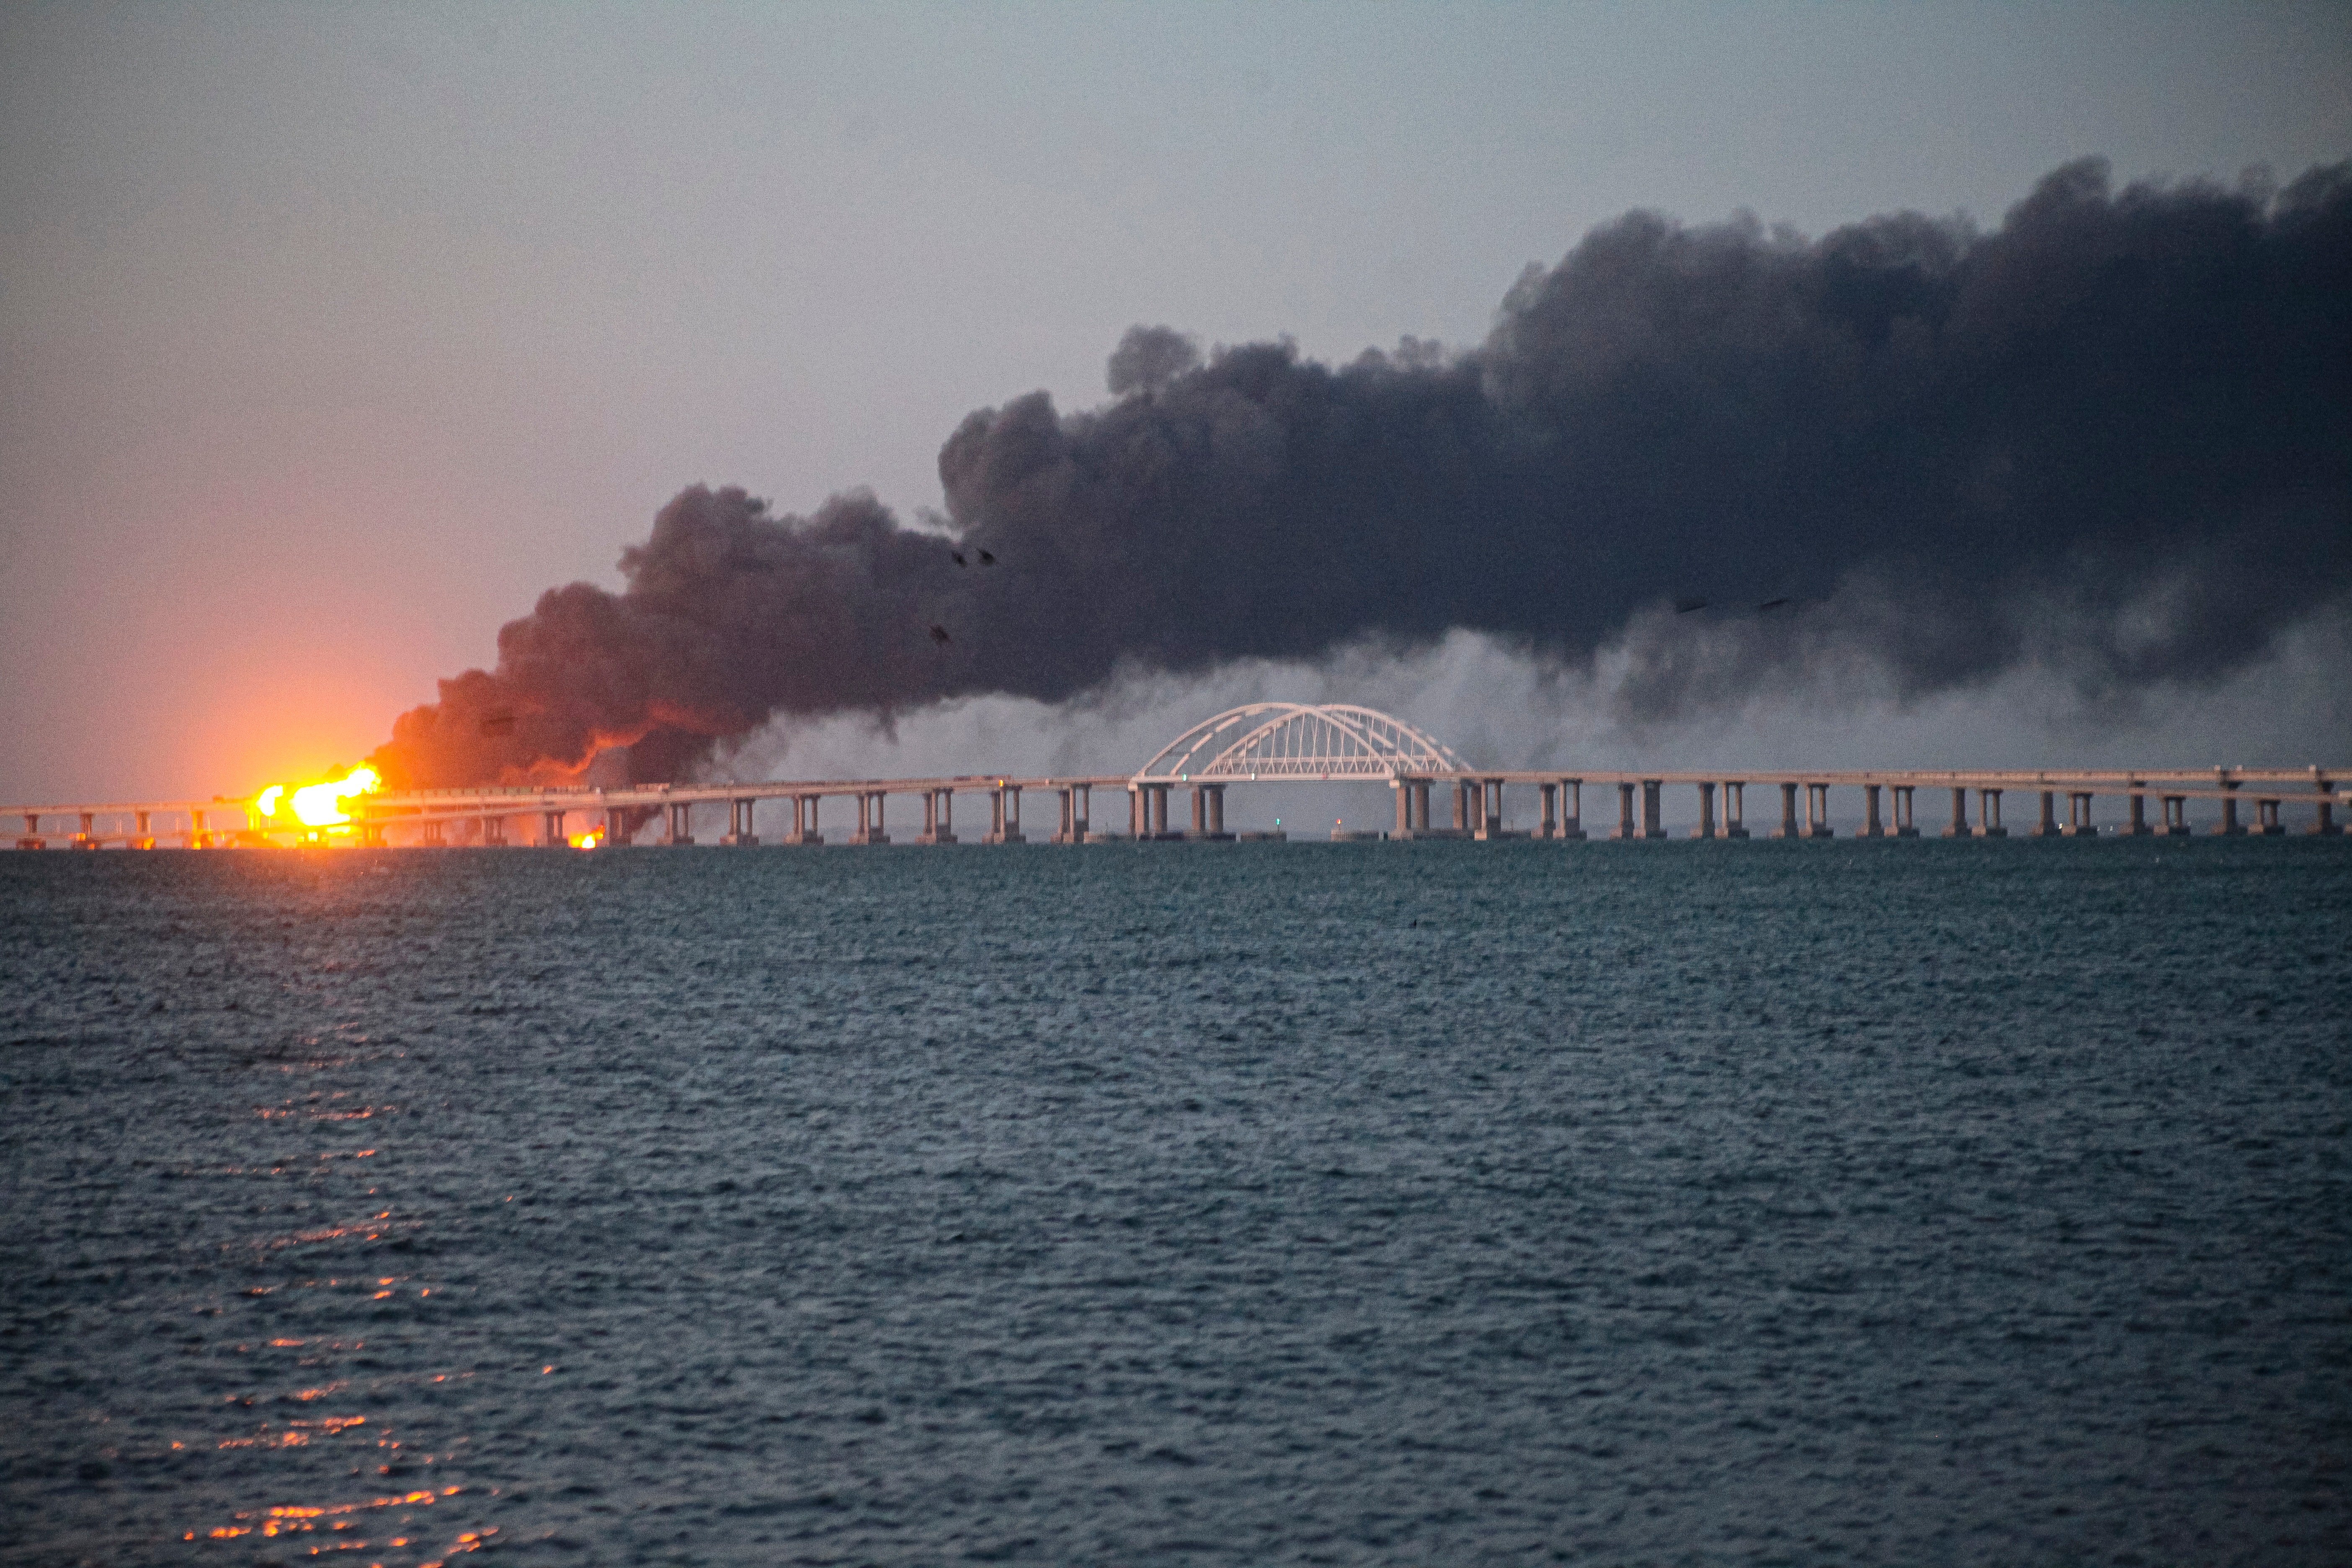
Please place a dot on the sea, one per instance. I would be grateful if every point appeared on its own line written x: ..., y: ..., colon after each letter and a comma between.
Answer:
x: 1847, y: 1203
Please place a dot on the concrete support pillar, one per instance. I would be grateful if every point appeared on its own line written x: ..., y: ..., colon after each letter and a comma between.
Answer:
x: 1788, y: 828
x: 433, y: 835
x: 1421, y: 806
x: 551, y: 830
x: 1988, y: 814
x: 143, y: 836
x: 930, y: 813
x: 2047, y: 826
x: 2078, y: 815
x: 1158, y: 811
x: 1871, y: 827
x: 87, y: 838
x: 2266, y: 817
x: 2176, y: 814
x: 1960, y: 827
x: 494, y: 832
x: 877, y: 831
x: 1652, y: 827
x: 1735, y: 808
x: 1085, y: 794
x: 1625, y: 828
x: 2231, y: 826
x: 1493, y: 825
x: 1138, y: 813
x: 807, y: 828
x: 1012, y: 834
x: 1200, y: 810
x: 1906, y: 825
x: 1403, y: 808
x: 1550, y: 828
x: 2323, y: 820
x: 1217, y: 810
x: 1705, y: 828
x: 1460, y: 805
x: 742, y: 833
x: 1817, y: 812
x: 2138, y: 828
x: 681, y: 822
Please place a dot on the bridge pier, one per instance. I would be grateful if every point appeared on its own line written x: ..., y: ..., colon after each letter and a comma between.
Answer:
x: 1735, y: 808
x: 494, y: 832
x: 1705, y: 828
x: 805, y: 827
x: 2078, y: 815
x: 433, y: 835
x: 740, y: 833
x: 551, y: 830
x: 1871, y: 827
x: 1625, y: 828
x: 1652, y: 826
x: 869, y: 818
x: 1960, y: 827
x: 2176, y: 816
x: 1403, y: 810
x: 1788, y: 828
x: 1571, y: 809
x: 1004, y: 815
x: 1817, y: 812
x: 1490, y: 810
x: 2322, y: 821
x: 2048, y: 826
x: 2137, y: 827
x: 2266, y: 817
x: 2230, y: 826
x: 939, y: 817
x: 681, y: 823
x: 1905, y: 827
x: 1988, y: 814
x: 31, y: 837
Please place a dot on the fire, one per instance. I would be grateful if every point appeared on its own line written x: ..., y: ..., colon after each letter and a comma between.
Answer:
x: 315, y: 805
x: 588, y: 840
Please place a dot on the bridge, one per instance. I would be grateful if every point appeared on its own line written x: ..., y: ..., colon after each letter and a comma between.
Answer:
x: 1261, y: 744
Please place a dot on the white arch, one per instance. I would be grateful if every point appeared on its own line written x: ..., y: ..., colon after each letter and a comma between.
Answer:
x: 1293, y: 741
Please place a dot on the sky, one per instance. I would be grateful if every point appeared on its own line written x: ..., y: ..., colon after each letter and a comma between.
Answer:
x: 329, y: 336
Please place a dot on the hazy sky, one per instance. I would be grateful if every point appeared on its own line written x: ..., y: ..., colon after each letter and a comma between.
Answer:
x: 331, y: 335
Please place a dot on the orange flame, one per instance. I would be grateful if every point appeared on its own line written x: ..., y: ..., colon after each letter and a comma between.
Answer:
x: 314, y: 806
x: 588, y: 840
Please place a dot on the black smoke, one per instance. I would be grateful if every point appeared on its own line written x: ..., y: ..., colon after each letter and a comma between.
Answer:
x: 2113, y: 436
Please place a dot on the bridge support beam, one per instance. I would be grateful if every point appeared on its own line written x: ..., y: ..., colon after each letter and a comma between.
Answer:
x: 2137, y: 827
x: 2176, y: 816
x: 1904, y: 825
x: 681, y: 823
x: 1403, y: 810
x: 1625, y: 828
x: 2323, y: 820
x: 1490, y: 809
x: 1735, y: 808
x: 494, y: 832
x: 2266, y: 817
x: 870, y: 829
x: 1652, y: 824
x: 1960, y: 827
x: 805, y: 830
x: 740, y: 829
x: 1705, y: 828
x: 1871, y: 827
x: 551, y: 830
x: 939, y: 817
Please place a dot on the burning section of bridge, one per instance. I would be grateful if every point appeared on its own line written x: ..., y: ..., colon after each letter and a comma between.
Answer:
x: 314, y: 811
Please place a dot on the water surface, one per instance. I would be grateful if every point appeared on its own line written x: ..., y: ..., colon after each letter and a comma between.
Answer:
x: 1441, y: 1203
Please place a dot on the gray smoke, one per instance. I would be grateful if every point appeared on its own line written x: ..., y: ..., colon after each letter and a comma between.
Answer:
x: 2112, y: 438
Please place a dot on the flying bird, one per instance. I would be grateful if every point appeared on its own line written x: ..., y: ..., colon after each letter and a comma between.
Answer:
x: 986, y: 558
x: 940, y: 636
x: 1684, y: 607
x: 956, y: 556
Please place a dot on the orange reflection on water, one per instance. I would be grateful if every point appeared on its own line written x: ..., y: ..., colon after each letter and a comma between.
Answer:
x: 296, y: 1519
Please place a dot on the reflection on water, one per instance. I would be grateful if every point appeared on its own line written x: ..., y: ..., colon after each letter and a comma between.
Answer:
x: 1441, y: 1203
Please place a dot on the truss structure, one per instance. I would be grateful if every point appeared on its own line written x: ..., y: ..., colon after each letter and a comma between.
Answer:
x: 1293, y: 741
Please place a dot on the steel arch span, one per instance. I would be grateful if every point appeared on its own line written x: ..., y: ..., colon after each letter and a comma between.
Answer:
x: 1266, y: 740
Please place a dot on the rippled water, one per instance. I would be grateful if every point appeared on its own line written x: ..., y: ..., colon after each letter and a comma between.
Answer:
x: 1438, y: 1203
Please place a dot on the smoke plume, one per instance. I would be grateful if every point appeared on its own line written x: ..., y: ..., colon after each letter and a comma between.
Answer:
x: 2112, y: 438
